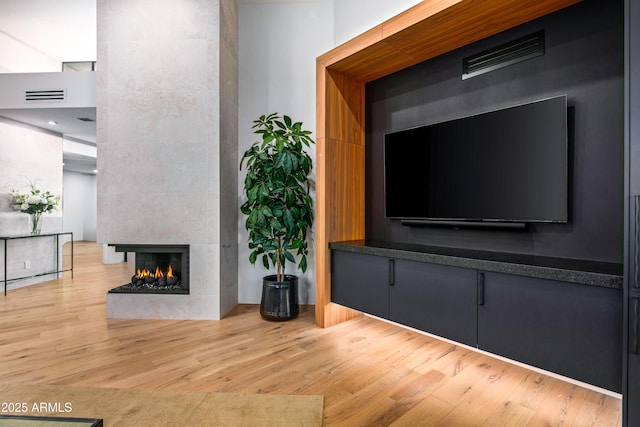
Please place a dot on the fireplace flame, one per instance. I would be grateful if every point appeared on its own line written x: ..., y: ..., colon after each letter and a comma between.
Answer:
x: 141, y: 274
x: 146, y: 273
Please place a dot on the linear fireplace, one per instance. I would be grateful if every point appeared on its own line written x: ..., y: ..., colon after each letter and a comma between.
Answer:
x: 158, y: 269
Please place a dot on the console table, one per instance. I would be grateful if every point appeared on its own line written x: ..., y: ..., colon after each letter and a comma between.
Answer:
x: 58, y: 269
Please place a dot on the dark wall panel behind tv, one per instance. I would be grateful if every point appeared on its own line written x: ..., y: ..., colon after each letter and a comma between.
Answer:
x: 584, y: 60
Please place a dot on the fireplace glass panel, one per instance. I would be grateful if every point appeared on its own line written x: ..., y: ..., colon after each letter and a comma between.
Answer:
x: 162, y: 269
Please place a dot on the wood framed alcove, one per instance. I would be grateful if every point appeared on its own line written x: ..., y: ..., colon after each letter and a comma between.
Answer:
x: 424, y: 31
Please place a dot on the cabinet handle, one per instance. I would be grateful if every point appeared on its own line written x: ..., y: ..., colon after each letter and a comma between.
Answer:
x: 634, y: 345
x: 392, y: 272
x: 636, y: 234
x: 481, y: 288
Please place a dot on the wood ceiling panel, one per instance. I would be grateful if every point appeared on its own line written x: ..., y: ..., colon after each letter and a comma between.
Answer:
x: 430, y: 29
x: 467, y: 22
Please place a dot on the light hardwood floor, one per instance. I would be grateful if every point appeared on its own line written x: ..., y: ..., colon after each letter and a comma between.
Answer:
x: 370, y: 372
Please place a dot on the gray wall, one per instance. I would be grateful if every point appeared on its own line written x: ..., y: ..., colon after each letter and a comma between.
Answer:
x: 584, y: 60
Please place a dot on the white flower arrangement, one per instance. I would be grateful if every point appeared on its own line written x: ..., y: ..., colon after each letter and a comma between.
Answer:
x: 35, y: 202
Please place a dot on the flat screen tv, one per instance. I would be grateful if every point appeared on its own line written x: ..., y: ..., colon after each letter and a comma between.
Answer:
x: 503, y: 166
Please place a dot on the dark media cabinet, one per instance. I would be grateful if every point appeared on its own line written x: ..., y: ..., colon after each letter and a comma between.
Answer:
x: 560, y: 315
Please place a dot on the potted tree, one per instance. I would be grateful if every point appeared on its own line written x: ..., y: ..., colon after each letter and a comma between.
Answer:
x: 278, y: 208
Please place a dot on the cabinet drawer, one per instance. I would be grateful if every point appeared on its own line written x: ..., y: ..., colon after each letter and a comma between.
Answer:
x: 360, y: 282
x: 570, y: 329
x: 437, y: 299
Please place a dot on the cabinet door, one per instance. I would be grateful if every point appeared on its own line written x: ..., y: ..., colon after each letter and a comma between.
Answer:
x: 435, y: 298
x: 573, y: 330
x: 631, y: 391
x: 360, y: 282
x: 632, y: 410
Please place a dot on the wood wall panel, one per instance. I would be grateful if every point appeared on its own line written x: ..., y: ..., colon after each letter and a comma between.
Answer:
x: 424, y: 31
x: 425, y: 12
x: 340, y: 211
x: 339, y: 216
x: 344, y: 108
x: 351, y: 47
x: 379, y: 60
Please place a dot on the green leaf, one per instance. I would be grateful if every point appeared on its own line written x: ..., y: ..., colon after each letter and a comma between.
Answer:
x: 289, y: 257
x: 260, y: 219
x: 251, y: 220
x: 253, y: 193
x: 274, y: 223
x: 287, y: 163
x: 288, y: 219
x: 294, y: 162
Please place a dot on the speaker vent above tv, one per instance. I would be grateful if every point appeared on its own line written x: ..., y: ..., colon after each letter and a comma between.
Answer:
x: 515, y: 51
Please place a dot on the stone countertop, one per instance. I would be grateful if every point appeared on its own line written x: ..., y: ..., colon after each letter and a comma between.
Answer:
x: 593, y: 273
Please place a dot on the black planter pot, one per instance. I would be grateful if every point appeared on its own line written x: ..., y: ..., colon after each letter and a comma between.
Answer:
x: 279, y: 299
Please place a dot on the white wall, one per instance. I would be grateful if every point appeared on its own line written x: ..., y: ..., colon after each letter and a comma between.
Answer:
x: 279, y: 43
x: 79, y: 196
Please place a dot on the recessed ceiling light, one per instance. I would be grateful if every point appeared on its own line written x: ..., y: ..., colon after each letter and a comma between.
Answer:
x: 53, y: 123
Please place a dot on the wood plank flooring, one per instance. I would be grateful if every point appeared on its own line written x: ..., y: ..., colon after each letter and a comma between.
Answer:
x: 370, y: 372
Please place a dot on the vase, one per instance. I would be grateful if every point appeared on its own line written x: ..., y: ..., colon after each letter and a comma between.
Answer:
x: 35, y: 224
x: 279, y: 299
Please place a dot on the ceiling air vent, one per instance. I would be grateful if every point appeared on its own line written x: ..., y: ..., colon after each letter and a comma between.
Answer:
x: 53, y: 95
x: 506, y: 54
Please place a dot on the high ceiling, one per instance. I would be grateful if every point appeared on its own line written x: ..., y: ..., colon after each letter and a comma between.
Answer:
x: 58, y: 31
x: 64, y: 30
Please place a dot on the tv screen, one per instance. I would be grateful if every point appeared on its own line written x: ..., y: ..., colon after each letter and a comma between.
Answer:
x: 508, y: 165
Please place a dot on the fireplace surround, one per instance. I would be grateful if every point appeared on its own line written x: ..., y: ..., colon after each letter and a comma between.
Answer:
x: 158, y: 269
x: 168, y: 162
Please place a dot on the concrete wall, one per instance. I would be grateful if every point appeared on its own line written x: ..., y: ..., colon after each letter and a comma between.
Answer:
x: 166, y: 83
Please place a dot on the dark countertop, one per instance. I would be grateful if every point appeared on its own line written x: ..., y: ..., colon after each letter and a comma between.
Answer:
x: 594, y: 273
